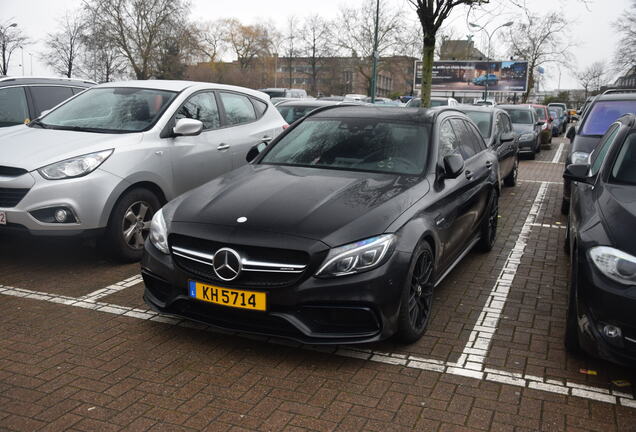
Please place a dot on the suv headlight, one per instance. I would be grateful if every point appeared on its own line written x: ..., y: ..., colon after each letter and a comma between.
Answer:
x: 159, y: 232
x: 580, y: 158
x: 357, y: 257
x: 75, y: 167
x: 526, y: 137
x: 615, y: 264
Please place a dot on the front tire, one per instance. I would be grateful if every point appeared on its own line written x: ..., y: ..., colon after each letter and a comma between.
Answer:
x: 129, y: 224
x: 417, y: 296
x: 489, y: 225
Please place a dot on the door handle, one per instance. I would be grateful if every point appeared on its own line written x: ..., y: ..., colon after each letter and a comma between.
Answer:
x: 266, y: 139
x: 489, y: 164
x: 223, y: 146
x: 469, y: 175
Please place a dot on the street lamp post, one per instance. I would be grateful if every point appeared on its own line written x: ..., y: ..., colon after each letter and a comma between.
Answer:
x: 490, y: 35
x: 374, y: 73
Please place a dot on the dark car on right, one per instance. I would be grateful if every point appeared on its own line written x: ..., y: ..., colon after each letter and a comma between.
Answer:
x: 602, y: 112
x: 601, y: 317
x: 294, y: 109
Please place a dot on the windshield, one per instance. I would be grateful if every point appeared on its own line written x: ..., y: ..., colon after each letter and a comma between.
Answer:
x: 540, y: 112
x: 603, y: 114
x: 355, y: 144
x: 414, y: 103
x: 624, y: 170
x: 520, y: 116
x: 292, y: 113
x: 482, y: 120
x: 122, y: 109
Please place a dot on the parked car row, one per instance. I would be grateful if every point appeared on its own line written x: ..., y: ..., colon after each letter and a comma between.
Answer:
x: 598, y: 196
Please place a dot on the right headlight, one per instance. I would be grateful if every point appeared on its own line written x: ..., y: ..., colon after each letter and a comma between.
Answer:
x: 580, y: 157
x: 159, y: 232
x: 615, y: 264
x: 526, y: 137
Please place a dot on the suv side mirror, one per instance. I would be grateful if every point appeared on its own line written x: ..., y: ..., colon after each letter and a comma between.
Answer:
x: 187, y: 127
x: 578, y: 173
x: 453, y: 165
x: 506, y: 137
x: 571, y: 133
x: 540, y: 123
x: 254, y: 151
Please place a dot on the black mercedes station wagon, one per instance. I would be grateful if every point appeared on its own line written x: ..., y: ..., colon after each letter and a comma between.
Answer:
x: 337, y: 232
x: 602, y: 243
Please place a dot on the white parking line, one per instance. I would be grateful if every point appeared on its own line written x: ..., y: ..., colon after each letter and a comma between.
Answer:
x: 548, y: 225
x: 544, y: 162
x: 557, y: 155
x: 539, y: 181
x: 112, y: 289
x: 480, y: 338
x: 409, y: 361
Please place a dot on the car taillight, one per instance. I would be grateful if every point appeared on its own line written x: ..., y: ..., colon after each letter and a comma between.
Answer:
x: 285, y: 126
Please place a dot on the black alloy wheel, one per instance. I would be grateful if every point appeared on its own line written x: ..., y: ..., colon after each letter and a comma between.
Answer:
x: 417, y: 297
x: 489, y: 225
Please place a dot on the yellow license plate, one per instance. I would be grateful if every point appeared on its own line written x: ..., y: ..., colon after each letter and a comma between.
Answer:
x: 228, y: 296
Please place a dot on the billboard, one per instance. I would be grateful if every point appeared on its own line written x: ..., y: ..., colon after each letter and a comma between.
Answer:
x: 469, y: 75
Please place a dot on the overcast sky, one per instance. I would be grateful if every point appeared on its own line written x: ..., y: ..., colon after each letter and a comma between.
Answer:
x: 591, y: 28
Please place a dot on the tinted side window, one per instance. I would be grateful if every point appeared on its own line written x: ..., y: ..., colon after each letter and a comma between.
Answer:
x: 466, y: 145
x: 260, y: 107
x: 46, y: 98
x: 448, y: 141
x: 238, y: 108
x: 202, y: 107
x: 13, y: 106
x: 601, y: 150
x: 505, y: 121
x: 478, y: 141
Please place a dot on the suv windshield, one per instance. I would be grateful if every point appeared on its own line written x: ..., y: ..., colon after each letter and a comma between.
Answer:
x: 482, y: 120
x: 110, y: 110
x: 354, y: 144
x: 519, y: 116
x: 604, y: 113
x: 624, y: 170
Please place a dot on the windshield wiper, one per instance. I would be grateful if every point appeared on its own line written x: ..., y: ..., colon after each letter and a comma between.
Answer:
x: 38, y: 122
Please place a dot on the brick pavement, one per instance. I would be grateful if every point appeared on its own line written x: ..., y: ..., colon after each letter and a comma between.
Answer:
x: 70, y: 368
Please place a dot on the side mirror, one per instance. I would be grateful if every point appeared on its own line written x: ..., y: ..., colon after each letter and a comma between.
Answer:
x: 506, y: 137
x: 578, y: 173
x: 540, y: 123
x: 187, y: 127
x: 571, y: 133
x: 254, y: 151
x: 453, y: 165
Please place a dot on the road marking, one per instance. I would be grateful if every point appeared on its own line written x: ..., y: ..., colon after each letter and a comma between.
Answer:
x: 557, y: 155
x: 403, y: 360
x: 544, y: 162
x: 486, y: 325
x: 112, y: 289
x: 539, y: 181
x: 547, y: 225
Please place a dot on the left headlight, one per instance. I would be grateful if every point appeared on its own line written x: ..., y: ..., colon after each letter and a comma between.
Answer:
x: 159, y: 232
x: 356, y: 257
x: 615, y: 264
x: 75, y: 167
x: 526, y: 137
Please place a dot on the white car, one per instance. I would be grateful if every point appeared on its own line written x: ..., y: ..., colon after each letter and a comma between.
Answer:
x: 106, y: 160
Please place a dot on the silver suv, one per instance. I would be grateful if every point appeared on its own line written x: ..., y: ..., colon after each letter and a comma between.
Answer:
x: 106, y: 160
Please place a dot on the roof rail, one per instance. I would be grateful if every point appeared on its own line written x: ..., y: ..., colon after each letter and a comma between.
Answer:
x: 613, y: 91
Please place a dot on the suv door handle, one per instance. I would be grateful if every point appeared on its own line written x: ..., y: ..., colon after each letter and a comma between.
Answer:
x: 223, y: 146
x: 266, y: 139
x: 489, y: 164
x: 469, y: 175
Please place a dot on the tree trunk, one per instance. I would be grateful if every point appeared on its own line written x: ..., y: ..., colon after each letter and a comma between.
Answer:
x: 526, y: 95
x: 428, y: 55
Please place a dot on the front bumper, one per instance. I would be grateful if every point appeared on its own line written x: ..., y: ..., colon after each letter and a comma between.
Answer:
x: 351, y: 309
x: 86, y: 198
x: 527, y: 146
x: 603, y: 302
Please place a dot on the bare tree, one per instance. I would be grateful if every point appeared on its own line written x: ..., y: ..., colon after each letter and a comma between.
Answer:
x: 539, y: 39
x: 432, y: 14
x: 139, y: 28
x: 212, y: 36
x: 11, y: 38
x: 247, y: 41
x: 356, y: 33
x: 592, y: 77
x: 316, y: 36
x: 625, y: 56
x: 64, y: 47
x: 290, y: 45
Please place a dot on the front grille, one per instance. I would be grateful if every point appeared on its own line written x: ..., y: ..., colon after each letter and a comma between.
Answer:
x: 10, y: 197
x: 6, y: 171
x: 293, y: 262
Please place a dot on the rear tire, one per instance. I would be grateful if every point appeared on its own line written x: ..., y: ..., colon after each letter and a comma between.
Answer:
x: 129, y: 224
x: 565, y: 207
x: 417, y: 296
x: 571, y: 340
x: 489, y: 225
x: 511, y: 179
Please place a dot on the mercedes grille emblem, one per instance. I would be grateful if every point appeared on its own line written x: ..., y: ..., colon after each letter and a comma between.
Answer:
x: 227, y: 264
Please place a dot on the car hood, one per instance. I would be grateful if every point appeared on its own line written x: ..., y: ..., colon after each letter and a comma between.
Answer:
x: 31, y: 148
x: 617, y: 205
x: 332, y: 206
x: 521, y: 128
